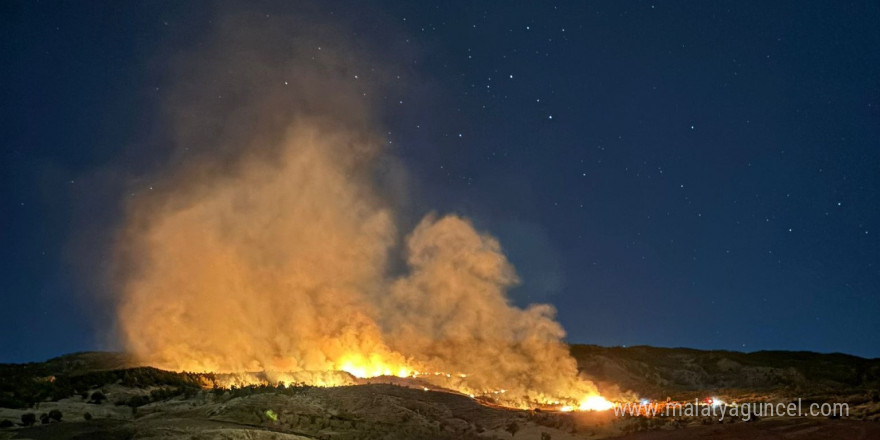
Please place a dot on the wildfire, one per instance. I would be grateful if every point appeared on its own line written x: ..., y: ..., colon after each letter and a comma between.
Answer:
x: 590, y: 403
x: 370, y: 367
x: 355, y: 369
x: 362, y: 368
x: 595, y: 403
x: 274, y: 265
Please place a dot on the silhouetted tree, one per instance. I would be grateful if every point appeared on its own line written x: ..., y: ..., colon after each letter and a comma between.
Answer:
x: 28, y: 419
x: 5, y: 424
x: 97, y: 397
x: 512, y: 428
x: 55, y: 415
x: 44, y: 418
x: 87, y: 416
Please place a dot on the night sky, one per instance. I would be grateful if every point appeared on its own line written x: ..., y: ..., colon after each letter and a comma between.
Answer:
x: 682, y: 174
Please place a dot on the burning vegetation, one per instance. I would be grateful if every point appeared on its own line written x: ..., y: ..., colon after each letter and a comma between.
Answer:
x: 275, y: 246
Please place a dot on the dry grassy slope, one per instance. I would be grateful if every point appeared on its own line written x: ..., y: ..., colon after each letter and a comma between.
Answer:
x: 73, y: 364
x: 89, y: 361
x: 658, y: 372
x: 377, y: 411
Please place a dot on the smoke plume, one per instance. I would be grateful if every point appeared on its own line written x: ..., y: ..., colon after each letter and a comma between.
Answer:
x: 265, y: 244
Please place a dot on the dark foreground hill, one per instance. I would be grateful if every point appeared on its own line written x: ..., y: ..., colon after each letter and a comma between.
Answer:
x: 109, y: 396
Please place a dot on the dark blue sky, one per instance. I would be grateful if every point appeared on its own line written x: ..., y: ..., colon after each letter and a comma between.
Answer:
x: 700, y: 174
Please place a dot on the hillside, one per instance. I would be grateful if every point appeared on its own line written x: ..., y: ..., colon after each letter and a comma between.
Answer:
x: 682, y: 372
x: 107, y: 395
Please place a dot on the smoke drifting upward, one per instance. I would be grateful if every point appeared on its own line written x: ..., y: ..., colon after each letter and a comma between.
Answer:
x: 265, y: 245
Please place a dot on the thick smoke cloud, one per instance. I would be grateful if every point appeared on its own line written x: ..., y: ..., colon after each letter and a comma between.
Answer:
x: 453, y: 313
x: 265, y: 245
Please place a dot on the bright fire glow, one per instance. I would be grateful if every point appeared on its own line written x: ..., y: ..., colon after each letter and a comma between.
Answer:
x: 361, y: 367
x: 595, y: 403
x: 367, y: 367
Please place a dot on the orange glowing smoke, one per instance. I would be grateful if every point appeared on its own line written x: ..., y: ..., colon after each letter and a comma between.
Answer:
x: 265, y: 247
